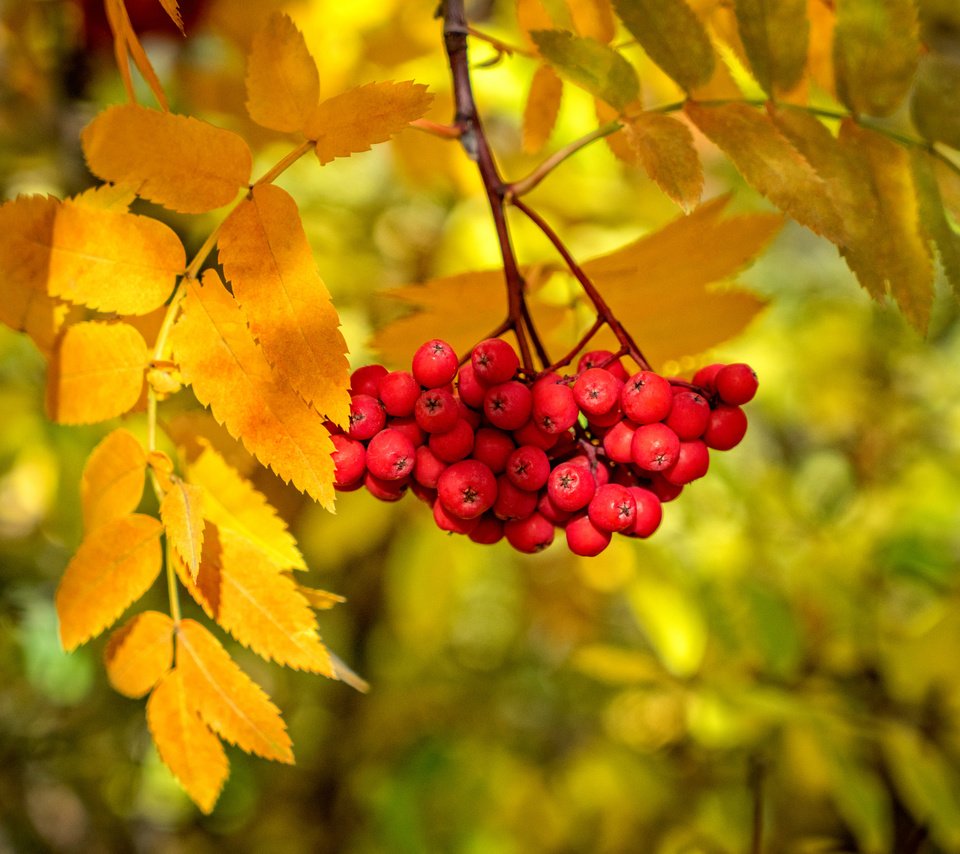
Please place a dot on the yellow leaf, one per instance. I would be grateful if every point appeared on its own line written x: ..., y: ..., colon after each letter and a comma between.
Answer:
x: 283, y: 84
x: 321, y: 600
x: 531, y: 16
x: 228, y: 700
x: 113, y: 478
x: 232, y: 504
x: 96, y: 373
x: 185, y: 743
x: 106, y: 197
x: 775, y: 38
x: 139, y: 653
x: 593, y: 18
x: 356, y: 119
x: 114, y: 566
x: 229, y: 373
x: 269, y: 264
x: 253, y: 600
x: 172, y: 8
x: 182, y: 513
x: 666, y: 302
x: 125, y: 40
x: 543, y: 105
x: 769, y: 163
x: 664, y: 146
x: 180, y: 162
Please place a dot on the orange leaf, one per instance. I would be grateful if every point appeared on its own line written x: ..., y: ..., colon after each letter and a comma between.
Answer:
x: 229, y: 373
x: 543, y: 104
x: 232, y: 504
x: 268, y: 261
x: 283, y: 84
x: 172, y: 8
x: 593, y: 18
x: 124, y: 40
x: 259, y: 605
x: 179, y: 162
x: 356, y: 119
x: 185, y: 743
x: 228, y: 700
x: 182, y: 515
x: 114, y: 566
x: 97, y: 372
x: 113, y: 478
x: 139, y: 653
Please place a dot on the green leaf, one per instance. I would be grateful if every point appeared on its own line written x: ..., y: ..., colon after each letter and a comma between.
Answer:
x: 933, y: 218
x: 775, y: 37
x: 673, y: 37
x: 876, y: 48
x: 591, y: 65
x: 935, y: 103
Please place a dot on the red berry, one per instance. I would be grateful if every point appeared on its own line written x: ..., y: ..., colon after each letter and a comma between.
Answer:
x: 646, y: 397
x: 601, y: 474
x: 586, y: 539
x: 507, y: 405
x: 471, y: 416
x: 467, y: 489
x: 349, y: 460
x: 726, y: 427
x: 571, y: 486
x: 612, y: 508
x: 554, y: 408
x: 529, y: 535
x: 654, y: 447
x: 617, y: 442
x: 531, y: 434
x: 513, y: 502
x: 706, y: 377
x: 662, y: 488
x: 385, y: 490
x: 364, y: 380
x: 446, y: 521
x: 391, y: 455
x: 489, y: 530
x: 604, y: 359
x: 692, y: 462
x: 528, y: 467
x: 649, y: 512
x: 366, y: 417
x: 409, y: 427
x: 736, y: 383
x: 424, y: 493
x: 434, y: 364
x: 599, y: 423
x: 494, y: 361
x: 453, y: 445
x: 689, y: 415
x: 398, y: 391
x: 596, y: 391
x: 469, y: 388
x: 493, y: 447
x: 428, y: 467
x: 550, y: 511
x: 436, y: 410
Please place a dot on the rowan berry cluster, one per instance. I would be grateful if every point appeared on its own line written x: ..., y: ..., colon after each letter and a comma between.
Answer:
x: 499, y: 454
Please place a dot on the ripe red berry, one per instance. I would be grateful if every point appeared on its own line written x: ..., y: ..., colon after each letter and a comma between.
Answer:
x: 513, y: 502
x: 531, y: 434
x: 689, y: 415
x: 507, y: 405
x: 385, y: 490
x: 726, y: 427
x: 602, y: 358
x: 601, y: 474
x: 455, y: 444
x: 736, y: 383
x: 692, y: 462
x: 529, y: 535
x: 586, y: 539
x: 649, y: 512
x: 398, y: 391
x: 434, y: 364
x: 528, y: 467
x: 390, y: 455
x: 612, y: 508
x: 571, y: 486
x: 554, y: 408
x: 646, y: 397
x: 618, y: 440
x: 348, y: 460
x: 446, y: 521
x: 364, y: 380
x: 494, y: 361
x: 409, y: 427
x: 706, y: 377
x: 493, y: 447
x: 424, y: 493
x: 550, y: 511
x: 436, y: 410
x: 469, y: 388
x: 662, y: 488
x: 596, y: 391
x: 489, y: 530
x: 654, y: 447
x: 467, y: 488
x: 366, y: 417
x: 428, y: 467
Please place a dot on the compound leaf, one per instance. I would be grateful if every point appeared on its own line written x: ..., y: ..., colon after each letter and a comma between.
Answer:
x: 113, y: 479
x: 139, y: 653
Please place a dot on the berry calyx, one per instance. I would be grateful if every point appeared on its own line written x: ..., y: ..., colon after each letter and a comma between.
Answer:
x: 467, y: 489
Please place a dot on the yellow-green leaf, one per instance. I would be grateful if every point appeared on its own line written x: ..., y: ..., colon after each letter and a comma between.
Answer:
x: 268, y: 261
x: 774, y: 36
x: 933, y: 218
x: 181, y: 511
x: 543, y: 105
x: 664, y: 147
x: 180, y: 162
x: 139, y: 653
x: 360, y: 117
x: 673, y: 37
x: 935, y: 102
x: 113, y: 478
x: 96, y: 372
x: 875, y: 50
x: 283, y: 84
x: 229, y: 373
x: 228, y: 700
x: 114, y: 566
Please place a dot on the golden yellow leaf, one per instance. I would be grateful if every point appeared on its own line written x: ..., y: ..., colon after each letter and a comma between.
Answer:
x: 96, y: 373
x: 822, y: 17
x: 360, y: 117
x: 106, y: 197
x: 283, y: 84
x: 185, y: 743
x: 139, y: 653
x: 775, y: 39
x: 232, y: 504
x: 172, y: 8
x: 593, y: 18
x: 180, y: 162
x: 114, y: 566
x: 229, y: 373
x: 269, y: 264
x: 228, y: 700
x: 182, y: 513
x: 666, y: 302
x: 321, y: 600
x: 113, y: 478
x: 664, y: 147
x: 253, y: 600
x: 543, y: 105
x: 125, y: 40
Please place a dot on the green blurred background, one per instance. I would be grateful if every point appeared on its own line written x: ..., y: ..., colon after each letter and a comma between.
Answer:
x: 783, y: 653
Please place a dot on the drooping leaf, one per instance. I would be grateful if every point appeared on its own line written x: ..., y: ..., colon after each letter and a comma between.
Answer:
x: 96, y: 372
x: 770, y: 163
x: 229, y: 373
x: 933, y: 219
x: 139, y: 653
x: 775, y: 38
x: 172, y: 8
x: 113, y: 479
x: 321, y: 600
x: 181, y: 511
x: 180, y: 162
x: 532, y: 15
x: 125, y: 41
x: 672, y: 35
x: 267, y: 259
x: 283, y: 84
x: 590, y: 64
x: 228, y: 700
x: 543, y: 105
x: 666, y: 303
x: 233, y: 505
x: 253, y: 600
x: 875, y: 50
x: 935, y: 101
x: 185, y: 743
x: 593, y: 18
x: 365, y: 115
x: 114, y: 566
x: 664, y: 147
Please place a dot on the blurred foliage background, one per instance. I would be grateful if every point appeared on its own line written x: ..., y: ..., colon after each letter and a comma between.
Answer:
x: 780, y: 661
